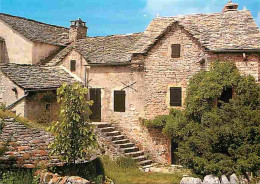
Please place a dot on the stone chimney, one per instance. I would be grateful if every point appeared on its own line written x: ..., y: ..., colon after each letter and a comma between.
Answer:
x: 78, y: 30
x: 230, y: 6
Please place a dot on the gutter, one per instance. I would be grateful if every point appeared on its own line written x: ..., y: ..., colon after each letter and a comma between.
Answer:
x: 13, y: 104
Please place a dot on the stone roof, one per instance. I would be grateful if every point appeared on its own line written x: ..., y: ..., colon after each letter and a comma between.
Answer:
x: 37, y: 31
x: 100, y: 50
x: 27, y: 147
x: 231, y: 30
x: 32, y: 77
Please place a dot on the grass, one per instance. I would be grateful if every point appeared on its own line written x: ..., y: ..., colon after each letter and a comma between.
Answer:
x: 26, y: 122
x: 123, y: 171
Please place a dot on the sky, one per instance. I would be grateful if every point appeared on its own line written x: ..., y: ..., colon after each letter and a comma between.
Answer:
x: 108, y: 17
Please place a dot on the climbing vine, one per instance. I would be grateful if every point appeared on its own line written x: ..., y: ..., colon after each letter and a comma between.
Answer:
x: 213, y: 136
x: 74, y: 138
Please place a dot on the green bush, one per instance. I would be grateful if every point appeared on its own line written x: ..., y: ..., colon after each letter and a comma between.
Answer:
x: 19, y: 176
x: 215, y: 137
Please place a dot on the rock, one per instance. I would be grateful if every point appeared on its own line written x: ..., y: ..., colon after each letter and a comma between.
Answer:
x: 224, y: 179
x: 77, y: 180
x: 234, y: 179
x: 191, y: 180
x: 210, y: 179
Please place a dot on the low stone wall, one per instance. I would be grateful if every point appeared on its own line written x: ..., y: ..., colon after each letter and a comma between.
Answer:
x: 50, y: 178
x: 25, y: 147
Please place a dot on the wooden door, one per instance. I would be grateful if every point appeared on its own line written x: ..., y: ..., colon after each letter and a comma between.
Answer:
x: 95, y: 95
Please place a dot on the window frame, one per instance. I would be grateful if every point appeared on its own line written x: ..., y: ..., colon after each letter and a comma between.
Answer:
x: 173, y: 47
x: 176, y: 103
x: 119, y: 108
x: 75, y: 64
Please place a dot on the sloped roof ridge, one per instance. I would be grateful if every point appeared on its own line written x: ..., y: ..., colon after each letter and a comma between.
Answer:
x: 32, y: 20
x: 113, y: 35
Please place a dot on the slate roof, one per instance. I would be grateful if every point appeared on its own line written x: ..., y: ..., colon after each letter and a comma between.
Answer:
x: 100, y: 50
x: 215, y: 31
x: 37, y: 31
x: 30, y: 77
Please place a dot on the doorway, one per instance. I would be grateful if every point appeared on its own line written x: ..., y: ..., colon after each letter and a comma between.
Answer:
x: 95, y: 95
x: 174, y: 157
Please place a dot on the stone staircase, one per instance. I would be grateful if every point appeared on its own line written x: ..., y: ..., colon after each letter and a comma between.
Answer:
x: 122, y: 143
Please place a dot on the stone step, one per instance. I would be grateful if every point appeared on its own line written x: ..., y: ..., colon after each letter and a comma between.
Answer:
x: 107, y: 129
x: 135, y: 154
x: 9, y: 119
x: 114, y: 133
x: 101, y: 124
x: 118, y: 137
x: 140, y: 158
x: 123, y: 141
x: 131, y: 149
x: 147, y: 166
x: 145, y: 162
x: 126, y: 145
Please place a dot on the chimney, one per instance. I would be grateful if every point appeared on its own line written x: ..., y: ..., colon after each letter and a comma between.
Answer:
x: 230, y: 6
x: 78, y: 30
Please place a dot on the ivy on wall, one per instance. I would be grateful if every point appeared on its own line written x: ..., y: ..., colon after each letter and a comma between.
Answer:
x: 213, y: 136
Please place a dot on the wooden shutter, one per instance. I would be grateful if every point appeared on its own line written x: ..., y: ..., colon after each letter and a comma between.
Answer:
x: 119, y: 101
x: 175, y: 96
x: 176, y: 50
x: 73, y: 65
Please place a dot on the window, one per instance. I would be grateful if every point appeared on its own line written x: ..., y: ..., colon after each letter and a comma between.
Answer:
x: 176, y: 50
x: 73, y: 65
x: 47, y: 107
x: 175, y: 96
x: 226, y: 96
x: 119, y: 101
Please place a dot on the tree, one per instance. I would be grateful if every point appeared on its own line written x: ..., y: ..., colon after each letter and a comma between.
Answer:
x: 213, y: 136
x: 74, y: 138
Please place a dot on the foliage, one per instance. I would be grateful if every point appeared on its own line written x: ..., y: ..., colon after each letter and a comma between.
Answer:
x: 18, y: 177
x: 126, y: 173
x: 92, y: 171
x: 2, y: 106
x: 219, y: 139
x: 74, y: 136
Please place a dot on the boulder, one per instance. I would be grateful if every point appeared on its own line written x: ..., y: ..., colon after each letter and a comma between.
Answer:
x: 211, y: 179
x: 77, y: 180
x: 191, y: 180
x: 234, y: 179
x: 224, y: 179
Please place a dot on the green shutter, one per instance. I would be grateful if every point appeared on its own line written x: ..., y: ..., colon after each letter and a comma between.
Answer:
x: 119, y: 101
x: 175, y: 96
x: 73, y: 65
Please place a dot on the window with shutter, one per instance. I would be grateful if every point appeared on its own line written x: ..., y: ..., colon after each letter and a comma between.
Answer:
x: 73, y: 65
x: 119, y: 101
x: 175, y: 96
x: 176, y: 50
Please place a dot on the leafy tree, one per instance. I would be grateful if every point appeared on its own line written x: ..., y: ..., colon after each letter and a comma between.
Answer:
x: 74, y: 138
x: 218, y: 139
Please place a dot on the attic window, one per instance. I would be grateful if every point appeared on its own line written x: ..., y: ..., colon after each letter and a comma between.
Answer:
x: 176, y: 50
x: 72, y: 65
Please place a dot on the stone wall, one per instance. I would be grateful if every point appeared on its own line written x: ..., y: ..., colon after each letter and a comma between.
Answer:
x: 7, y: 94
x: 40, y: 110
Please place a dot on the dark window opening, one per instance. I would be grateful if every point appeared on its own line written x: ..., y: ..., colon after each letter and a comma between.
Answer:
x: 47, y: 107
x: 73, y: 65
x: 174, y: 157
x: 176, y: 50
x: 119, y: 101
x: 226, y: 96
x: 175, y: 96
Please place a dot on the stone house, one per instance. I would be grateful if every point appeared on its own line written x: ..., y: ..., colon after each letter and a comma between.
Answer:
x: 130, y: 77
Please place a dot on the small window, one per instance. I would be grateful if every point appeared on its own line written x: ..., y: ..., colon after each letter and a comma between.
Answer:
x: 176, y: 50
x: 119, y: 101
x: 226, y: 96
x: 47, y: 107
x: 175, y: 96
x: 73, y: 65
